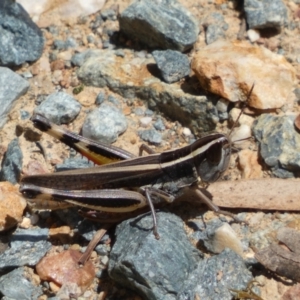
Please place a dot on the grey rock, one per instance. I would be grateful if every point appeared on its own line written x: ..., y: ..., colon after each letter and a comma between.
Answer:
x: 27, y: 75
x: 20, y: 39
x: 222, y: 107
x: 79, y: 58
x: 149, y: 112
x: 59, y: 45
x: 40, y: 98
x: 97, y: 22
x: 265, y: 14
x: 88, y: 229
x: 112, y: 99
x: 173, y: 65
x: 100, y: 98
x: 156, y: 269
x: 138, y: 111
x: 59, y: 107
x: 24, y: 114
x: 91, y: 39
x: 120, y: 52
x: 109, y: 14
x: 215, y: 27
x: 102, y: 249
x: 11, y: 165
x: 27, y: 248
x: 161, y: 24
x: 205, y: 283
x: 104, y: 124
x: 12, y: 87
x: 196, y: 112
x: 71, y: 43
x: 16, y: 285
x: 159, y: 125
x: 150, y: 135
x: 205, y: 231
x: 260, y: 239
x: 279, y: 144
x: 74, y: 163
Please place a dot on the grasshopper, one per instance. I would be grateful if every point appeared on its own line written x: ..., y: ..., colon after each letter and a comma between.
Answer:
x: 124, y: 183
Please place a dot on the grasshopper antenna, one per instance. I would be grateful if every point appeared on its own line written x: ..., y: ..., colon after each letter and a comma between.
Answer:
x: 242, y: 110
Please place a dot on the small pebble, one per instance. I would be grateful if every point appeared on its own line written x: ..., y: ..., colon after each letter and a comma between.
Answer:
x: 186, y: 132
x: 145, y: 121
x: 159, y: 125
x: 34, y: 218
x: 63, y: 268
x: 25, y: 223
x: 225, y: 237
x: 241, y: 133
x: 104, y: 260
x: 253, y: 35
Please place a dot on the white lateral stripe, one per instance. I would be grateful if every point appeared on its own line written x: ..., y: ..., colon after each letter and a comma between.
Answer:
x: 194, y: 153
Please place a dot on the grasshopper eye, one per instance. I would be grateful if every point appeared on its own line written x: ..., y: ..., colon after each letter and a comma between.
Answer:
x: 28, y: 192
x: 215, y: 163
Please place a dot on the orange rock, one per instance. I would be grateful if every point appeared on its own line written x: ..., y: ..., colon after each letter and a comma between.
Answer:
x: 58, y: 64
x: 62, y: 233
x: 64, y: 230
x: 248, y: 161
x: 63, y: 268
x: 229, y: 69
x: 87, y: 96
x: 12, y: 206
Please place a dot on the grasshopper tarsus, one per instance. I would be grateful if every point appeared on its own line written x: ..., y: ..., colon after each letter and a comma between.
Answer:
x: 146, y: 148
x: 92, y: 244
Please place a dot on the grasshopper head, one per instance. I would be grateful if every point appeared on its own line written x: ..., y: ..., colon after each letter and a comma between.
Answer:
x: 214, y: 161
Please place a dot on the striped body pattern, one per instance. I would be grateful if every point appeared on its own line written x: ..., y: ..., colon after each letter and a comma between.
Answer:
x: 119, y: 183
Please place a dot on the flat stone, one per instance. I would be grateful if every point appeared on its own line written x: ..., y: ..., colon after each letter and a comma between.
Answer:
x: 262, y: 14
x: 17, y: 285
x: 160, y: 24
x: 12, y: 87
x: 279, y: 144
x: 156, y: 269
x: 104, y: 123
x: 63, y: 268
x: 21, y: 40
x: 214, y: 276
x: 129, y: 76
x: 27, y: 248
x: 229, y: 69
x: 173, y: 65
x: 59, y: 108
x: 12, y: 163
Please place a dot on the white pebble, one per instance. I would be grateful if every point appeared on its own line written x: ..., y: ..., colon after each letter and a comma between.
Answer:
x: 240, y: 133
x: 186, y: 131
x: 225, y: 237
x: 145, y: 121
x: 253, y: 35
